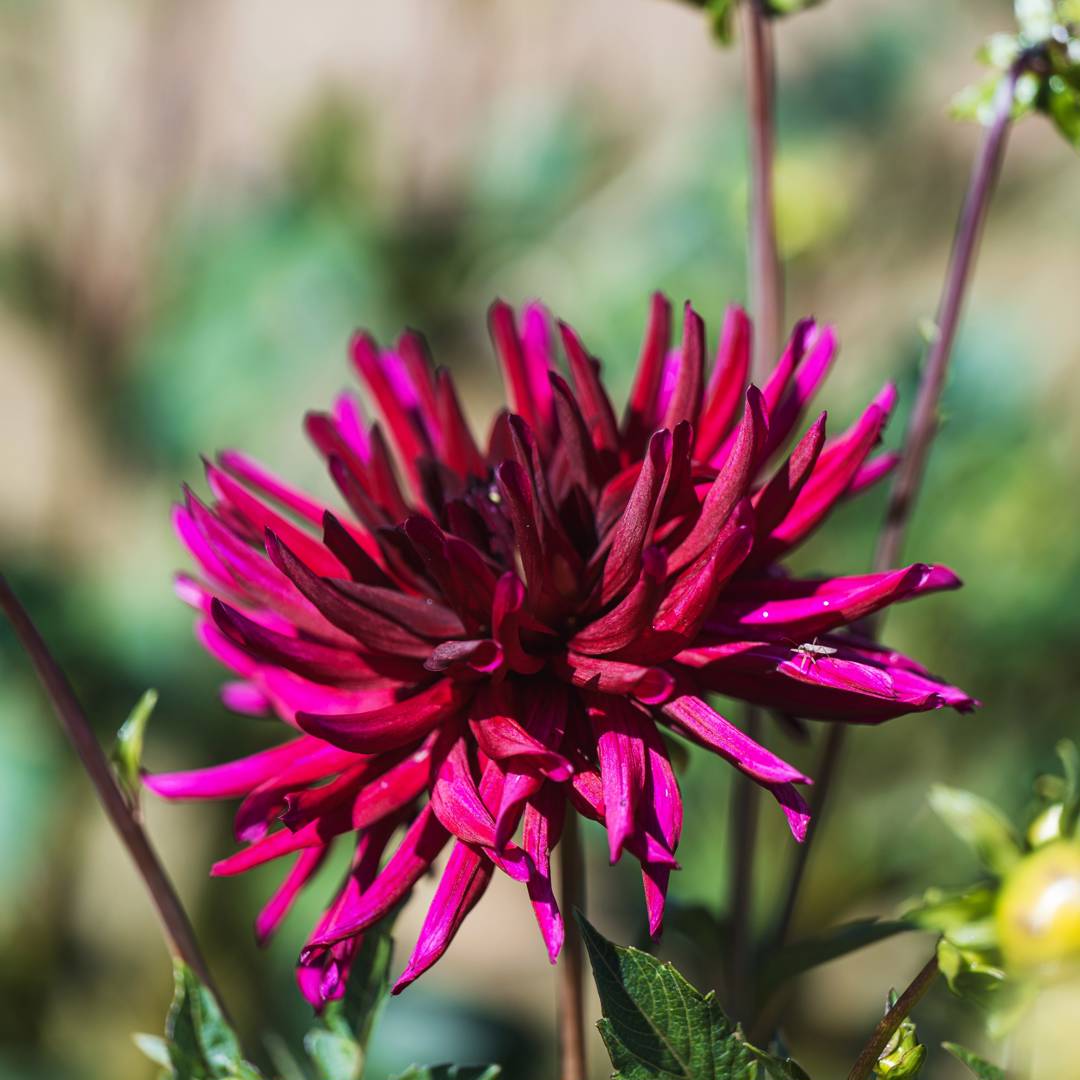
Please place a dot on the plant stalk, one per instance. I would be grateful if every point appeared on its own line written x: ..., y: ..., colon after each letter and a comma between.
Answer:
x: 573, y: 1064
x: 766, y: 273
x: 744, y: 821
x: 867, y: 1059
x: 924, y: 416
x: 766, y: 301
x: 177, y: 928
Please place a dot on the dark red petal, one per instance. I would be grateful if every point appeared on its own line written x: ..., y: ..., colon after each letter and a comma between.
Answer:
x: 389, y: 726
x: 727, y: 384
x: 642, y: 416
x: 685, y: 403
x: 731, y: 485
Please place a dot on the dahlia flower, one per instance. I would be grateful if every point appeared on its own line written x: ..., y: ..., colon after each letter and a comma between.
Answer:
x: 487, y: 639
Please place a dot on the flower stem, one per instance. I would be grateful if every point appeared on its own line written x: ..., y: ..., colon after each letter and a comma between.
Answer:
x: 924, y: 418
x: 766, y: 274
x: 179, y: 934
x: 767, y: 301
x: 572, y: 1060
x: 907, y: 1001
x: 744, y: 820
x: 924, y: 415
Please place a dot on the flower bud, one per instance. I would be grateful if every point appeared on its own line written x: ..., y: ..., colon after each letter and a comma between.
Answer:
x: 1038, y: 910
x: 903, y: 1055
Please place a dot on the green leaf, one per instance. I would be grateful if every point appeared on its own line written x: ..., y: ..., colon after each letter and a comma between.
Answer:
x: 1070, y: 759
x: 154, y: 1047
x: 335, y: 1057
x: 982, y: 1069
x: 980, y: 825
x: 964, y: 916
x: 1063, y: 107
x: 451, y: 1072
x: 790, y: 7
x: 200, y: 1042
x: 127, y: 751
x: 721, y: 15
x: 656, y: 1026
x: 801, y: 956
x: 337, y: 1044
x: 973, y: 976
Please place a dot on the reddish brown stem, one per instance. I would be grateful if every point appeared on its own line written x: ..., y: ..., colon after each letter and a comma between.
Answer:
x: 924, y: 414
x: 888, y: 1024
x: 573, y: 1063
x: 766, y: 274
x: 922, y: 425
x: 179, y: 935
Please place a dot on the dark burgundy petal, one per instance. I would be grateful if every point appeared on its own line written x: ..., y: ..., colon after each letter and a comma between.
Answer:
x: 352, y: 555
x: 642, y: 416
x: 464, y: 881
x: 727, y: 385
x: 631, y: 617
x: 380, y: 619
x: 731, y: 485
x: 775, y: 499
x: 543, y: 822
x: 459, y: 447
x: 685, y: 403
x: 418, y: 850
x: 525, y: 373
x: 620, y: 745
x: 390, y: 726
x: 595, y: 407
x: 634, y: 528
x: 323, y: 663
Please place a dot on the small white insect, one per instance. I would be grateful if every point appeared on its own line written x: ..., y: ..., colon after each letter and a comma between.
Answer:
x: 812, y: 648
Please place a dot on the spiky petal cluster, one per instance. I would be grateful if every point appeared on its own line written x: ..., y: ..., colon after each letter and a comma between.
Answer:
x: 488, y: 639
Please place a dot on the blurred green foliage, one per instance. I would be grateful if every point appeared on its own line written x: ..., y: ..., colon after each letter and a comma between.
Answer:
x: 208, y: 302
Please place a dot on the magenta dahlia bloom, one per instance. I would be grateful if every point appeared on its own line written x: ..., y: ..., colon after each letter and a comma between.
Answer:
x: 486, y: 639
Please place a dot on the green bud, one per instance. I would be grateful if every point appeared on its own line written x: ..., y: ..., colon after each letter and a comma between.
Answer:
x: 904, y: 1055
x: 127, y: 750
x: 1038, y: 911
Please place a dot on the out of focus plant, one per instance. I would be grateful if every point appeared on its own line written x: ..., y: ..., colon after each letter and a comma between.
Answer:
x: 1046, y: 45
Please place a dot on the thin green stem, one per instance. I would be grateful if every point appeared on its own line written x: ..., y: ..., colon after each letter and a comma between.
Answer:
x: 867, y: 1059
x: 175, y: 924
x: 573, y: 1064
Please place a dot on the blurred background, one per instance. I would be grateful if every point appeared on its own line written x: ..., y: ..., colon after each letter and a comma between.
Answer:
x: 200, y: 199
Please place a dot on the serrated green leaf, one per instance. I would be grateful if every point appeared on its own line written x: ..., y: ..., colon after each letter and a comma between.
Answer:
x: 801, y: 956
x: 982, y: 1069
x: 127, y: 751
x: 1070, y: 760
x: 656, y: 1026
x: 450, y: 1072
x: 980, y: 825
